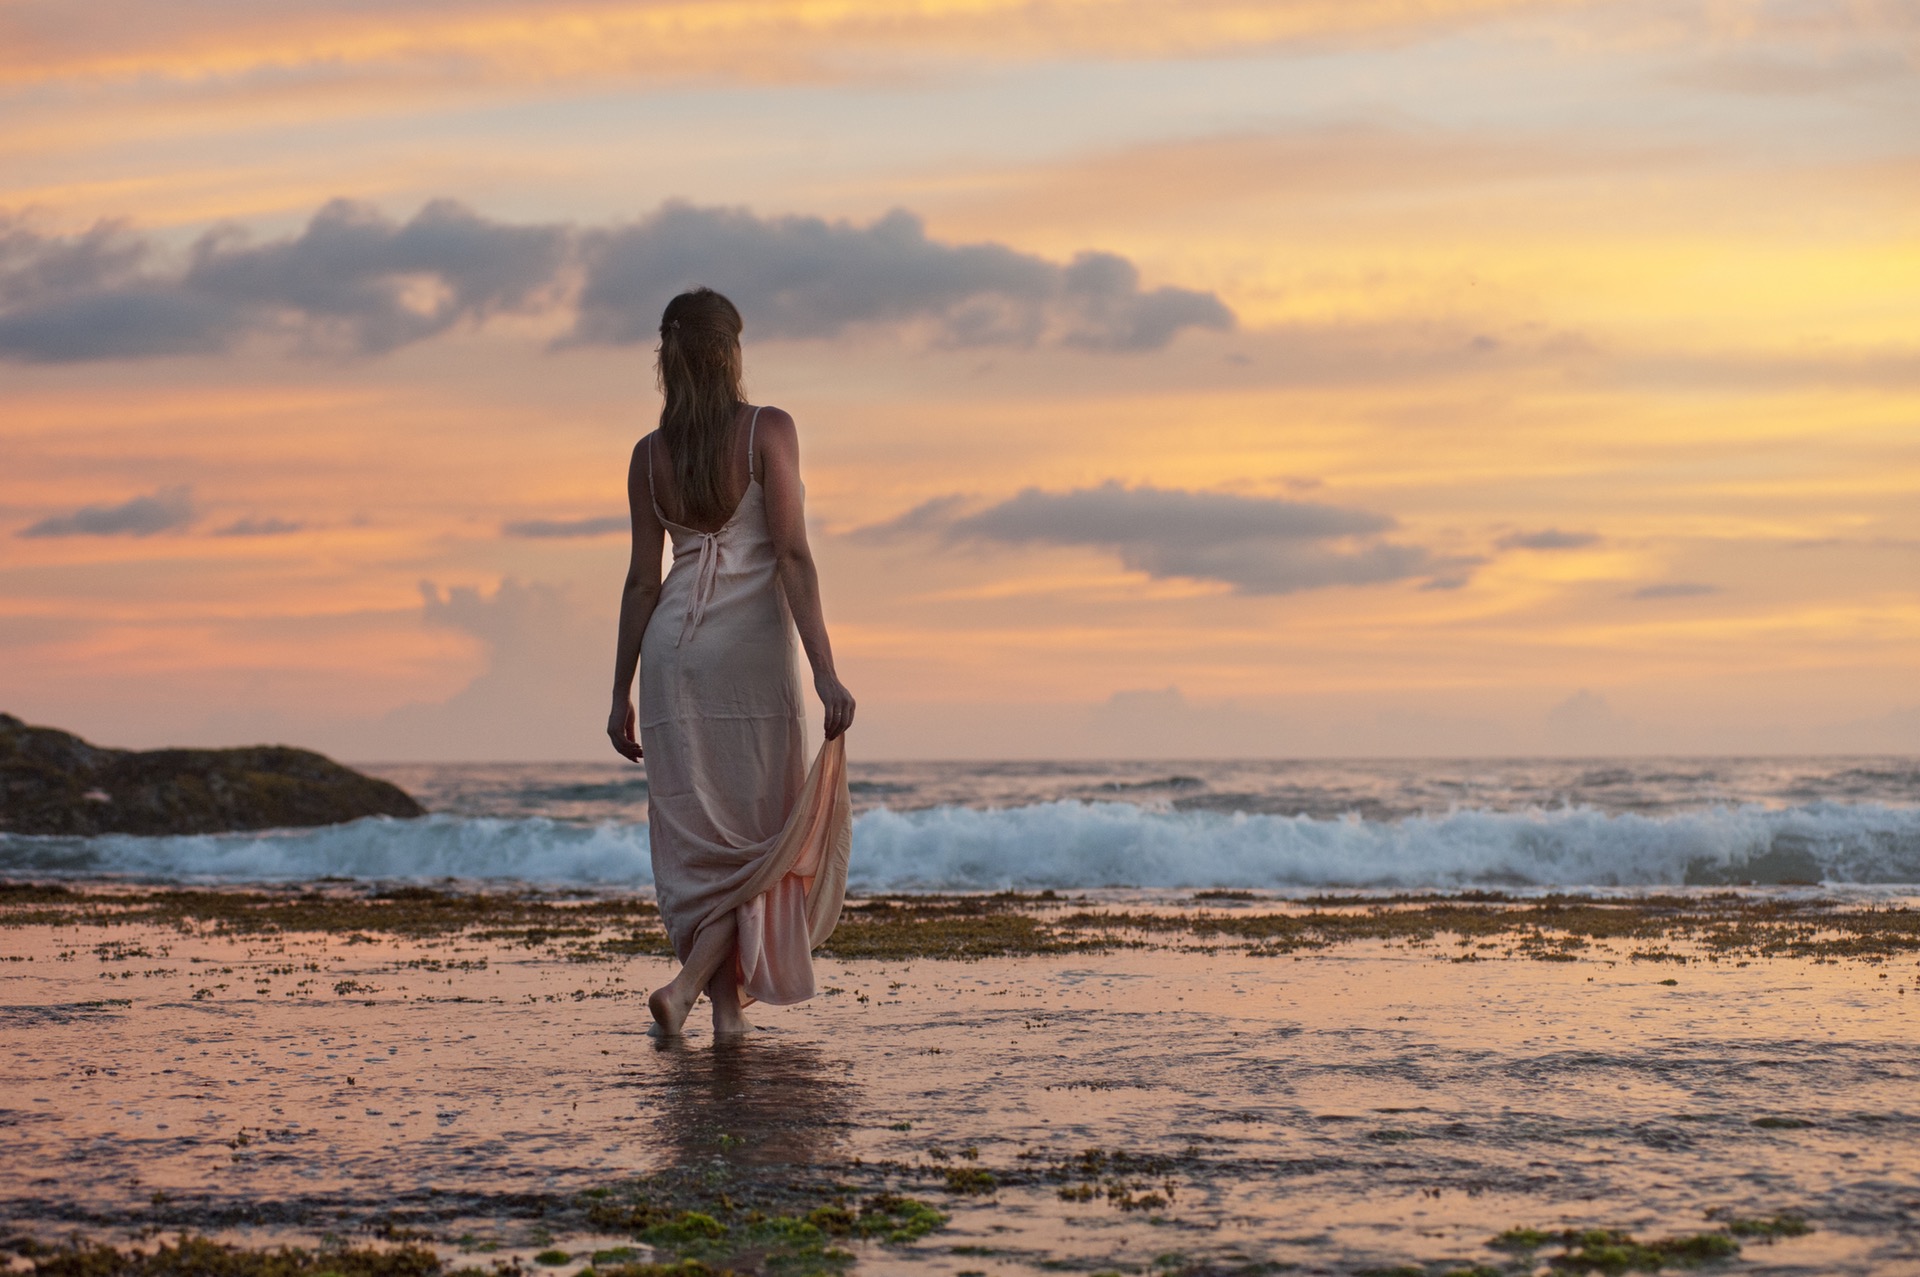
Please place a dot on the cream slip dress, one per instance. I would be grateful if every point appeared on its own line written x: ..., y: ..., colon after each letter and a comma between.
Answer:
x: 736, y: 826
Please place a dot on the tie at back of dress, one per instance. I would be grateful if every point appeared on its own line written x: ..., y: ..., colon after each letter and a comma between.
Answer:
x: 707, y: 545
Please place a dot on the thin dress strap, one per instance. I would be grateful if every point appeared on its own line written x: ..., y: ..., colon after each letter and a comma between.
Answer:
x: 651, y: 494
x: 751, y: 426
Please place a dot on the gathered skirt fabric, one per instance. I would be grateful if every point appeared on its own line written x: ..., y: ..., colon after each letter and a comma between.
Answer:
x: 738, y: 823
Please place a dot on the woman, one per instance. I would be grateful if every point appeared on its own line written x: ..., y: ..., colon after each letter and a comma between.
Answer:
x: 749, y: 848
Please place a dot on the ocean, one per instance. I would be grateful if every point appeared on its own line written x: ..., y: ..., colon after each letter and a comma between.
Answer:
x: 1282, y: 826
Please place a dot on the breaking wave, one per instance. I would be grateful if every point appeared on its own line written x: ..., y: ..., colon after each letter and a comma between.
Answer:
x: 1113, y: 844
x: 377, y: 848
x: 1066, y: 845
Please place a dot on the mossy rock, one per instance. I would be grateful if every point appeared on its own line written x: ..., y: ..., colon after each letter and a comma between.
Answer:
x: 53, y: 782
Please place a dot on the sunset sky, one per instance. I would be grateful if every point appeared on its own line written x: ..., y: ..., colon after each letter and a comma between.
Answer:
x: 1312, y: 377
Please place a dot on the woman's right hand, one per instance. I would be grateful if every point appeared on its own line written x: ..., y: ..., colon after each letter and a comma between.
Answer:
x: 839, y: 702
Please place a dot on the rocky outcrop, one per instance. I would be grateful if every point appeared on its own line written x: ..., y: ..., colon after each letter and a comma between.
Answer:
x: 52, y: 782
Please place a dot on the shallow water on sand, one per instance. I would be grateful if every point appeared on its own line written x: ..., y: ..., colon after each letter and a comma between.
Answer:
x: 1364, y: 1106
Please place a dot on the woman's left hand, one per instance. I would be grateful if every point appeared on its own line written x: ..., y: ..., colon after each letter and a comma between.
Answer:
x: 622, y: 730
x: 838, y: 702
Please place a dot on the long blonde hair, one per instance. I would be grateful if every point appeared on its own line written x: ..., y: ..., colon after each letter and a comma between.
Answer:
x: 699, y: 374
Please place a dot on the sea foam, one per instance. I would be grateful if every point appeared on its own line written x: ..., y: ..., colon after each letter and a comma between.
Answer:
x: 1114, y: 844
x: 1068, y: 845
x: 378, y: 848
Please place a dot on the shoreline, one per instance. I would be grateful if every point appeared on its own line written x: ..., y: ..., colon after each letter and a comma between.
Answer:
x: 1700, y: 925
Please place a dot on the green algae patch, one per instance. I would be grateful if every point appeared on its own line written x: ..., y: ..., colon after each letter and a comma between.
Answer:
x: 782, y: 1227
x: 962, y: 927
x: 1125, y: 1181
x: 1608, y: 1250
x: 198, y: 1255
x: 1521, y: 1239
x: 894, y: 1219
x: 524, y: 917
x: 614, y: 1255
x: 971, y: 1181
x: 1771, y: 1228
x: 1615, y: 1252
x: 789, y: 1243
x: 689, y: 1228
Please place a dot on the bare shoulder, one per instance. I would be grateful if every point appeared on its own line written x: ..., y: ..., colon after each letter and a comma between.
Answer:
x: 776, y: 436
x: 639, y: 463
x: 776, y: 421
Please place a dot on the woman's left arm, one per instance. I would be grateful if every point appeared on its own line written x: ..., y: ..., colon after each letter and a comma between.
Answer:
x: 779, y: 461
x: 638, y: 598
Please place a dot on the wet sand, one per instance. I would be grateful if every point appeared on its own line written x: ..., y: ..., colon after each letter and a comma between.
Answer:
x: 1140, y: 1096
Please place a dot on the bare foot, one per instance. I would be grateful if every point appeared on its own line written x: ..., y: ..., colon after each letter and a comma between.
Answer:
x: 669, y: 1017
x: 729, y: 1023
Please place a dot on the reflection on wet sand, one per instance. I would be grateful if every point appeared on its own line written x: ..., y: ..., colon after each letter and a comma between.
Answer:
x: 757, y: 1101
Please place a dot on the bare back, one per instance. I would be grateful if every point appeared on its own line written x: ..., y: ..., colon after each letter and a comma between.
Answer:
x: 740, y: 472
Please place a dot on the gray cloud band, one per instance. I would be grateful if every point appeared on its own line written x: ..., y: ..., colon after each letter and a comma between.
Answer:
x: 351, y: 282
x: 355, y: 282
x: 168, y: 510
x: 1258, y: 545
x: 601, y: 525
x: 1547, y: 539
x: 1675, y: 590
x: 805, y: 277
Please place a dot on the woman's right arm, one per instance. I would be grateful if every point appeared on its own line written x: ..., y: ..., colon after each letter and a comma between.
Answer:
x: 637, y: 600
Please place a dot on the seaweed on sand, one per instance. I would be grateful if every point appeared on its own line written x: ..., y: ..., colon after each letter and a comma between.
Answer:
x: 408, y: 911
x: 692, y: 1229
x: 1771, y: 1228
x: 1609, y: 1250
x: 1556, y: 928
x: 788, y: 1227
x: 958, y: 927
x: 190, y: 1256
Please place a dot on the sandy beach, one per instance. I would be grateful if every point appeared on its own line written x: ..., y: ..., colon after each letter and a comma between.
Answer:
x: 987, y: 1085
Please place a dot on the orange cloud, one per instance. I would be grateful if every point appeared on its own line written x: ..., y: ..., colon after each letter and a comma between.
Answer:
x: 742, y: 40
